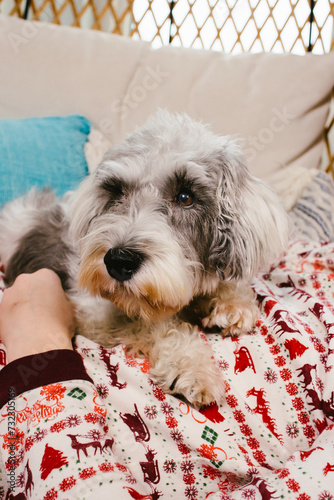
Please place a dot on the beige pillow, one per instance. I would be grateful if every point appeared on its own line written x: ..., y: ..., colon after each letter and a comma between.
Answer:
x: 276, y: 104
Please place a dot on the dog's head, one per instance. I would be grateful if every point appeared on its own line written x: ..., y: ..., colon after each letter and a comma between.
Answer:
x: 168, y: 214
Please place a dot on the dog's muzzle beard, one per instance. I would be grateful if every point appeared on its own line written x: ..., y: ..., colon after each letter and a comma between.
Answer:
x: 148, y: 287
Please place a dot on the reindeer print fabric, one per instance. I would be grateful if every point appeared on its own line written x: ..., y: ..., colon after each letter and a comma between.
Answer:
x: 120, y: 436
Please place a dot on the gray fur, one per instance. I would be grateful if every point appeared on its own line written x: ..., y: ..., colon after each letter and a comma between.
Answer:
x: 181, y: 200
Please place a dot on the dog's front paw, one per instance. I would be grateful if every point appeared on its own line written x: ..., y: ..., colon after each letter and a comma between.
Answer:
x: 199, y: 382
x: 233, y: 319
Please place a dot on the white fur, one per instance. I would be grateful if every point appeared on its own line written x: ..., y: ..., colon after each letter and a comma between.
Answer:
x: 195, y: 260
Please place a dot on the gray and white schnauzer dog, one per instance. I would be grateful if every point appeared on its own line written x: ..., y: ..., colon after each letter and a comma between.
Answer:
x: 161, y: 240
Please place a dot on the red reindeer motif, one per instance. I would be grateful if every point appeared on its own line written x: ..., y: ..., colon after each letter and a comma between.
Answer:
x: 305, y: 454
x: 295, y: 292
x: 263, y: 408
x: 283, y: 324
x: 328, y: 468
x: 326, y: 406
x: 83, y: 446
x: 306, y: 373
x: 108, y: 444
x: 29, y: 481
x: 262, y: 486
x: 319, y: 312
x: 155, y: 495
x: 112, y: 369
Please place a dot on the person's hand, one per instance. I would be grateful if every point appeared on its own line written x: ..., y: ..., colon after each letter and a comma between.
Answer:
x: 36, y: 315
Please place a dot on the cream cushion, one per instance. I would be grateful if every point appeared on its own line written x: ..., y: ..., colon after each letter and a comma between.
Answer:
x: 276, y: 104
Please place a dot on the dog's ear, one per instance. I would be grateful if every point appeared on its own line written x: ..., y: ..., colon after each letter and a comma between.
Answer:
x: 251, y: 228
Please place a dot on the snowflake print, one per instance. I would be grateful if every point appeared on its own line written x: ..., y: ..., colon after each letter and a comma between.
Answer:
x: 183, y: 448
x: 239, y: 416
x: 87, y: 473
x: 309, y: 432
x: 270, y: 376
x: 20, y: 481
x: 73, y: 421
x: 166, y: 408
x: 211, y: 472
x: 94, y: 434
x: 13, y: 438
x: 325, y: 495
x: 259, y: 456
x: 151, y: 412
x: 189, y: 478
x: 29, y: 443
x: 67, y: 483
x: 303, y: 496
x: 298, y: 404
x: 248, y: 494
x: 39, y: 435
x: 223, y: 365
x: 275, y: 349
x: 92, y: 418
x: 285, y: 374
x: 320, y: 385
x: 176, y: 436
x: 292, y: 430
x: 187, y: 466
x: 269, y: 339
x: 253, y: 443
x: 292, y: 389
x: 51, y: 494
x: 191, y: 492
x: 171, y: 422
x: 102, y: 390
x: 279, y: 361
x: 282, y: 473
x: 293, y: 485
x: 246, y: 430
x: 58, y: 426
x: 232, y: 401
x: 158, y: 393
x: 121, y: 467
x: 169, y: 466
x: 316, y: 285
x: 303, y: 418
x: 53, y: 391
x: 106, y: 467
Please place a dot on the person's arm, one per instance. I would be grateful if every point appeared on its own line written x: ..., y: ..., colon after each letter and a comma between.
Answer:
x: 37, y: 322
x: 53, y: 427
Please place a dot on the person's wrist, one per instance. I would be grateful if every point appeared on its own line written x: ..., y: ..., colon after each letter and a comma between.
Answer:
x: 24, y: 347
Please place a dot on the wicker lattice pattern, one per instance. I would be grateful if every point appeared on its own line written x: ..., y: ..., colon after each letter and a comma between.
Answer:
x: 228, y: 25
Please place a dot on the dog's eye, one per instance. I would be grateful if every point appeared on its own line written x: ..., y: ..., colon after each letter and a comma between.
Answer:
x: 185, y: 199
x: 114, y: 188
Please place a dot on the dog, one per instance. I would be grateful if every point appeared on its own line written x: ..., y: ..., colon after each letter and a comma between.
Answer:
x: 160, y: 242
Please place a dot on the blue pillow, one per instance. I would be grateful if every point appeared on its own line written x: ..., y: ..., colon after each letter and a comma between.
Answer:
x: 42, y: 152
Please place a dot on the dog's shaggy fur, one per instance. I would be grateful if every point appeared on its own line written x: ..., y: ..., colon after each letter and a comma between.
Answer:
x: 164, y: 237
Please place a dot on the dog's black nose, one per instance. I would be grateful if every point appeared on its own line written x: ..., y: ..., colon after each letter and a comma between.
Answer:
x: 122, y: 263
